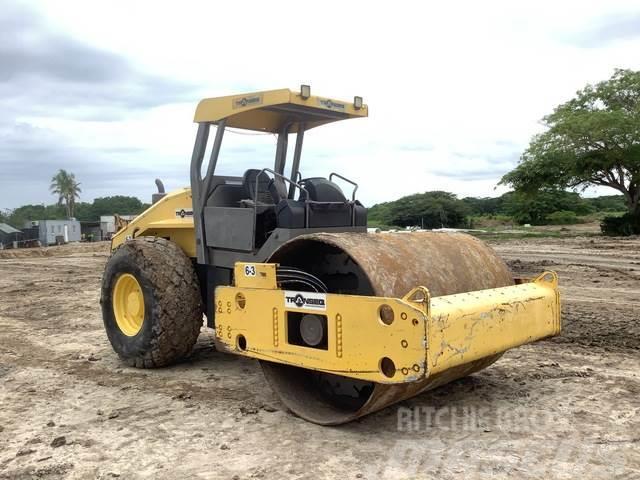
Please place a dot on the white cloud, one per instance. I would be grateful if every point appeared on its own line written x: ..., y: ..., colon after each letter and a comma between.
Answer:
x: 455, y: 89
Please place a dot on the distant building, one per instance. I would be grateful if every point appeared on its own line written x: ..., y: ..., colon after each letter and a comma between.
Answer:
x: 52, y: 232
x: 108, y: 224
x: 92, y: 231
x: 8, y: 235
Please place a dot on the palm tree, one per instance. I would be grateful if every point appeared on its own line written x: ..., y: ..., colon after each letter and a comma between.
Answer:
x: 65, y: 186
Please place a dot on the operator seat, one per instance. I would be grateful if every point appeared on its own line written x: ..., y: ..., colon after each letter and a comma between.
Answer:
x: 252, y: 179
x: 328, y: 207
x: 256, y: 186
x: 323, y: 190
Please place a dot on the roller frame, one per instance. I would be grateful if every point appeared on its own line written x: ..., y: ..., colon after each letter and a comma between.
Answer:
x: 428, y: 335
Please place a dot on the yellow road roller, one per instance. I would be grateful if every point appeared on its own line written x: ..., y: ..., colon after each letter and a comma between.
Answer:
x: 343, y: 322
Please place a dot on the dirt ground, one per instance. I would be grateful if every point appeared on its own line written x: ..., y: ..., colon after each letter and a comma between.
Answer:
x: 568, y: 407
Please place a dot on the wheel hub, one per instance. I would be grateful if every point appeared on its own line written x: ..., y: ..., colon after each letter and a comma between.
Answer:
x: 128, y: 304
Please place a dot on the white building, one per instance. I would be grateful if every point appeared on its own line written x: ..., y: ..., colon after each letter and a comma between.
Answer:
x: 56, y: 231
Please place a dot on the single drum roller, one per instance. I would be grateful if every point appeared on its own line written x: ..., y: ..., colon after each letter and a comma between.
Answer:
x: 343, y: 322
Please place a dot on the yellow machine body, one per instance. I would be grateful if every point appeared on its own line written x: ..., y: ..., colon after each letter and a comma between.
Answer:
x: 384, y: 340
x: 171, y: 218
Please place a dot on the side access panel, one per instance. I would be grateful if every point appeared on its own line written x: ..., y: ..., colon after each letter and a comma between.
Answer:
x: 229, y: 227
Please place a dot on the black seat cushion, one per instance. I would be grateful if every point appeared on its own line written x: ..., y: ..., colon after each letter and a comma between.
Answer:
x: 323, y: 190
x: 261, y: 195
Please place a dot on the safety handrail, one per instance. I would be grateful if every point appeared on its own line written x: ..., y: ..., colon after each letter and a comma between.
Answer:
x: 355, y: 185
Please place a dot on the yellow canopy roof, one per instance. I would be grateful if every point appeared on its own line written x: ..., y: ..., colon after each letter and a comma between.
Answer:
x: 270, y: 110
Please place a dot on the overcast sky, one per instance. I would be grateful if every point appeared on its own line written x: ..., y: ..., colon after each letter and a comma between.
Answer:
x: 107, y: 90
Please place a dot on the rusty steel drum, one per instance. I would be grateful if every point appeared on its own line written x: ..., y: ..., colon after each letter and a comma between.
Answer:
x: 385, y: 264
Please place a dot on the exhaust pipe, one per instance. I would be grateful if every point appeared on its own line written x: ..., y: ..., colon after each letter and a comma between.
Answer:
x: 156, y: 197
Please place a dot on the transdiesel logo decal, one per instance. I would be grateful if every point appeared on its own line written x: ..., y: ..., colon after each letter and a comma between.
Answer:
x: 325, y: 102
x: 246, y: 101
x: 184, y: 213
x: 305, y: 300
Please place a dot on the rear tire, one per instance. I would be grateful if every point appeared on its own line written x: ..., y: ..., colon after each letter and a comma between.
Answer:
x: 156, y: 317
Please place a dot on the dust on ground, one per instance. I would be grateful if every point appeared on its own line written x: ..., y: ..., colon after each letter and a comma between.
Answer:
x: 567, y: 407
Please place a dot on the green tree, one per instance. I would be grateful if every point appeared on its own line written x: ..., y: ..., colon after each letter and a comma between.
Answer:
x: 65, y: 186
x: 83, y: 211
x: 608, y: 203
x: 18, y: 217
x: 483, y: 205
x: 430, y: 210
x: 379, y: 214
x: 537, y: 208
x: 119, y: 204
x: 593, y: 139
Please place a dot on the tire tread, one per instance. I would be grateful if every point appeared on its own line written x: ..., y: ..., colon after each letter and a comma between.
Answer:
x: 177, y: 306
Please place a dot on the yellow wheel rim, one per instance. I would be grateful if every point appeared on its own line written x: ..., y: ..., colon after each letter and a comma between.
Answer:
x: 128, y: 304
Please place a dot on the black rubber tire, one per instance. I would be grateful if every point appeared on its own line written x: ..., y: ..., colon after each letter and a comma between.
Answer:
x: 172, y: 302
